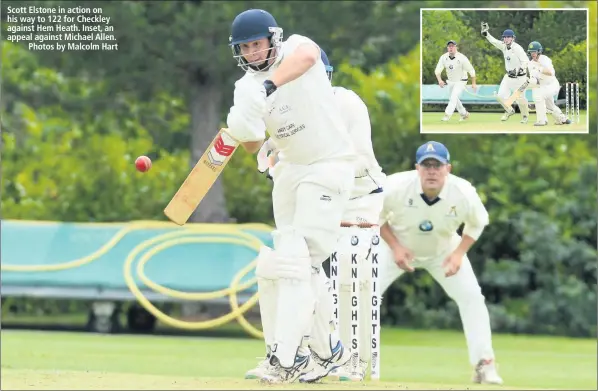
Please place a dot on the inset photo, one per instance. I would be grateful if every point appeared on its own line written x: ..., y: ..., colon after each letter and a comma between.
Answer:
x: 504, y: 70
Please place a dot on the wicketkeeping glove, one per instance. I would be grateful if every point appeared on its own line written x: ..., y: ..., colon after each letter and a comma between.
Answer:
x: 485, y: 29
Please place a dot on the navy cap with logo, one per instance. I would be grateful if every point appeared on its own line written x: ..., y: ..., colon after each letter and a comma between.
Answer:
x: 432, y: 150
x: 451, y: 41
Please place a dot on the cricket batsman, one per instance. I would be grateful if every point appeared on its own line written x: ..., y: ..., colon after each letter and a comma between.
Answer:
x: 515, y: 65
x: 285, y: 92
x: 364, y: 207
x: 544, y: 85
x: 423, y: 209
x: 457, y: 67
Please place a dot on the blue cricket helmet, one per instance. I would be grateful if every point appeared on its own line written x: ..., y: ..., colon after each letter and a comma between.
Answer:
x: 508, y: 33
x: 329, y: 68
x: 253, y: 25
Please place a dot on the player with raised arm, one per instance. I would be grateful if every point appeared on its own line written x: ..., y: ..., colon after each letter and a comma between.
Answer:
x: 364, y: 207
x: 515, y: 65
x: 457, y: 67
x: 423, y: 209
x: 285, y: 92
x: 544, y: 85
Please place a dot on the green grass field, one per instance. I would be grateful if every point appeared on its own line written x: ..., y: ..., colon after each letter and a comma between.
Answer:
x: 34, y: 360
x: 490, y: 122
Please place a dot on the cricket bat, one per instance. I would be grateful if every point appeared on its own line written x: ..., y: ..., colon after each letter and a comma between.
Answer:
x: 514, y: 96
x: 202, y: 177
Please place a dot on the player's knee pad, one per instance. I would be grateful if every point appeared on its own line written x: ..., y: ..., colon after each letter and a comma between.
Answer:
x: 289, y: 260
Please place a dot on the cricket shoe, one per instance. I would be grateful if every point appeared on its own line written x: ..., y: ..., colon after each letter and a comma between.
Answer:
x: 259, y: 371
x: 323, y: 366
x: 464, y: 117
x: 486, y: 373
x: 541, y: 123
x: 446, y: 118
x: 277, y: 374
x: 349, y: 373
x: 524, y: 119
x: 507, y: 115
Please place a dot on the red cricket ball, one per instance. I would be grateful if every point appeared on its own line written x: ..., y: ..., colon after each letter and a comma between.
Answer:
x: 143, y: 163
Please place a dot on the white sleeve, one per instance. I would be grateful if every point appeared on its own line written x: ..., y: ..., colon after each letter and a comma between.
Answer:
x: 498, y: 44
x: 390, y: 193
x: 359, y: 126
x: 245, y: 120
x: 477, y: 216
x: 547, y: 64
x: 468, y: 67
x: 439, y: 67
x: 294, y: 41
x: 387, y: 206
x: 523, y: 59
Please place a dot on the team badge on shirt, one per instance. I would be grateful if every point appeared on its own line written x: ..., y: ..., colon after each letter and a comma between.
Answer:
x: 452, y: 212
x: 426, y: 226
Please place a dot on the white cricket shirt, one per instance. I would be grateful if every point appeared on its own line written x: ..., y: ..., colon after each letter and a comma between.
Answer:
x: 429, y: 231
x: 457, y: 68
x: 302, y: 116
x: 368, y: 173
x: 546, y: 63
x: 515, y: 57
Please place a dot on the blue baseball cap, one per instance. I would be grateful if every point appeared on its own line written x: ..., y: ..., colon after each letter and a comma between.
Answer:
x: 432, y: 150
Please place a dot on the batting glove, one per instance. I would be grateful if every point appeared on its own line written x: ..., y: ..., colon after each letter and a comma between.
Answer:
x: 263, y: 156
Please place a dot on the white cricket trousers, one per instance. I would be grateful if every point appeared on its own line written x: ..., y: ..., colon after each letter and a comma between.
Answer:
x: 463, y: 288
x: 311, y: 199
x: 455, y: 90
x: 508, y: 85
x: 543, y: 95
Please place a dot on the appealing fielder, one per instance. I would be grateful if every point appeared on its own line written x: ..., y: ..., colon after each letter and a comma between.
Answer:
x: 422, y: 211
x: 457, y: 67
x: 364, y: 207
x: 516, y: 66
x: 286, y: 92
x: 544, y: 85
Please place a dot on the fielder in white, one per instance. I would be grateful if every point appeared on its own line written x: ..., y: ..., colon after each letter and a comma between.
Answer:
x: 285, y: 92
x: 516, y: 65
x: 457, y: 68
x: 422, y: 211
x: 364, y: 207
x: 544, y: 85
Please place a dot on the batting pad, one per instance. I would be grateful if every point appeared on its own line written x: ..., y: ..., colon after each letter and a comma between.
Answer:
x: 324, y: 336
x: 295, y: 306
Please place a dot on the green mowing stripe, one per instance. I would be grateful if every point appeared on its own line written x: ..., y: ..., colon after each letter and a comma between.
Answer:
x: 490, y: 122
x: 411, y: 359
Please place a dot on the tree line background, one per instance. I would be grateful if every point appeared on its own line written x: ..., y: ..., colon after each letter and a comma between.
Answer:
x: 73, y: 125
x: 563, y: 35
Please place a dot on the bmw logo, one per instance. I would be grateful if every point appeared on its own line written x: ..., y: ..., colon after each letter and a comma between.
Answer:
x: 508, y: 58
x: 450, y: 67
x: 426, y: 226
x: 354, y: 240
x: 376, y: 240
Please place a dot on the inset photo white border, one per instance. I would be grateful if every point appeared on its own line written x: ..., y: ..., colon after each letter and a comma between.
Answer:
x: 429, y: 124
